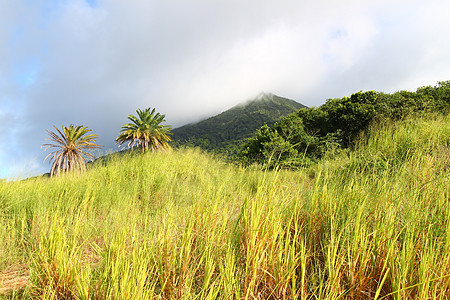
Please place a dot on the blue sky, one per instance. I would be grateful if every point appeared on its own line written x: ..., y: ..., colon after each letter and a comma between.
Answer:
x: 93, y: 62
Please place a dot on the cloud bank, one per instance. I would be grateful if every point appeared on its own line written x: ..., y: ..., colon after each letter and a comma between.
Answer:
x: 95, y: 62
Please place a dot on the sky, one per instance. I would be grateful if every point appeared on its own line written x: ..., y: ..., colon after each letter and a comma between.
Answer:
x: 94, y: 62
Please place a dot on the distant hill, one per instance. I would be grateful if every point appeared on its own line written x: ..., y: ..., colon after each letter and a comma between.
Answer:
x: 225, y: 132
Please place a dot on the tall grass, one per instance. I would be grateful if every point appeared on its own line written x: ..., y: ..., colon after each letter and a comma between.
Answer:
x: 183, y: 225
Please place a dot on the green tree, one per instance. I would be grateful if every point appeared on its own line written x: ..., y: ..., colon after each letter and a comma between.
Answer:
x: 300, y: 138
x: 71, y: 144
x: 292, y: 129
x: 350, y: 115
x: 315, y: 120
x: 285, y: 145
x: 325, y: 131
x: 439, y: 93
x: 253, y: 150
x: 145, y: 131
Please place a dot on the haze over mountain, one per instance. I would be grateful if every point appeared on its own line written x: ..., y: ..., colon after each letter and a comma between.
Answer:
x: 225, y: 131
x: 94, y: 62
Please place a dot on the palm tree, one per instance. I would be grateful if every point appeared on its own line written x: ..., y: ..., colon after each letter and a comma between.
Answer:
x: 71, y: 143
x: 145, y: 131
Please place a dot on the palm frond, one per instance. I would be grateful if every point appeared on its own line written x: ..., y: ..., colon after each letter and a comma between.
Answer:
x: 71, y: 144
x: 145, y: 131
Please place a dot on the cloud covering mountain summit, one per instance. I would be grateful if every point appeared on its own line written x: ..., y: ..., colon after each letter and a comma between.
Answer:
x: 95, y: 62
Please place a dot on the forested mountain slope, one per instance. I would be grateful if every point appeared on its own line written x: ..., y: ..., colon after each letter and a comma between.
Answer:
x: 226, y: 131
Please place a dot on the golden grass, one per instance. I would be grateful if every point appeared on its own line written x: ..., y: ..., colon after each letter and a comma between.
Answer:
x: 183, y: 225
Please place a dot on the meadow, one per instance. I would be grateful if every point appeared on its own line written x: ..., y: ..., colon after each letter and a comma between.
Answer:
x: 368, y: 223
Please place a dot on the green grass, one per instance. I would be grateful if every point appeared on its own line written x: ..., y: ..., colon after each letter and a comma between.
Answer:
x: 373, y: 223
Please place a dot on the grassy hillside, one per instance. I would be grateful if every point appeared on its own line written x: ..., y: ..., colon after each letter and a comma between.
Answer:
x: 182, y: 225
x: 304, y: 137
x: 226, y: 131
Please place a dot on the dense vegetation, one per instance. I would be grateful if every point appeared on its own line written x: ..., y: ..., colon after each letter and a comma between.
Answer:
x: 370, y: 219
x: 309, y: 134
x: 226, y: 132
x: 373, y: 223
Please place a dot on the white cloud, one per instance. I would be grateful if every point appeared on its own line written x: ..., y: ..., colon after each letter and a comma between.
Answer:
x: 93, y: 63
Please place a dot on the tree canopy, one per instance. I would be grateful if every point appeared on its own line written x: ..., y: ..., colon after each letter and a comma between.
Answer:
x: 146, y: 131
x: 310, y: 133
x: 71, y: 144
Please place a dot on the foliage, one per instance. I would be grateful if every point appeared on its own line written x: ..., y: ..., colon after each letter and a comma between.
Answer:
x: 145, y: 131
x: 439, y: 94
x: 350, y: 115
x: 71, y: 143
x: 371, y: 224
x: 226, y: 132
x: 314, y: 133
x: 281, y: 145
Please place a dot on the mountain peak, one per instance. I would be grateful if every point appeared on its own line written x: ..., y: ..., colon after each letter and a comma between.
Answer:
x: 226, y: 131
x: 264, y: 96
